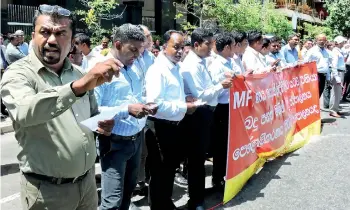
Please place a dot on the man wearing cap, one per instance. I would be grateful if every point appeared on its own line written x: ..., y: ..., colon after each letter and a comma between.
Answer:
x: 13, y: 53
x: 23, y: 46
x: 337, y: 75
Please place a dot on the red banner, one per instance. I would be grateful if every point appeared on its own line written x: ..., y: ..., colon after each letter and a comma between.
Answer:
x: 270, y: 114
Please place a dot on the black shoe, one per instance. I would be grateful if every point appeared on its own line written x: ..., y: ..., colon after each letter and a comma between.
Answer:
x: 133, y: 207
x: 179, y: 179
x: 141, y: 189
x: 191, y: 206
x: 345, y: 100
x: 218, y: 185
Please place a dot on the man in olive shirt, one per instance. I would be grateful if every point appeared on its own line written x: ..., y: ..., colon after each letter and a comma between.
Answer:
x: 47, y: 98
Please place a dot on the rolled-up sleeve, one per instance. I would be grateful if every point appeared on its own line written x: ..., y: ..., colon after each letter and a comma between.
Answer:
x: 29, y: 107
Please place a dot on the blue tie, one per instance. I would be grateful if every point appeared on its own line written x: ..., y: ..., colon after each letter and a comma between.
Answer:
x: 3, y: 58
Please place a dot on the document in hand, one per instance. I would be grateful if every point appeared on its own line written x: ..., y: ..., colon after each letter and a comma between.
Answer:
x: 92, y: 123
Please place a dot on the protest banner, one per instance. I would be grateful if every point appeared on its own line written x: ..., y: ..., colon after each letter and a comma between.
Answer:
x: 270, y: 115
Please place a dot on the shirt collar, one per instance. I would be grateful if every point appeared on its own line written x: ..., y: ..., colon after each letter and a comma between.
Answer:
x: 222, y: 59
x: 213, y: 54
x: 164, y: 60
x: 256, y: 53
x: 194, y: 57
x: 38, y: 65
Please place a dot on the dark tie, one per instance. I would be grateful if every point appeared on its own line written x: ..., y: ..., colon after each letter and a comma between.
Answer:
x: 3, y: 58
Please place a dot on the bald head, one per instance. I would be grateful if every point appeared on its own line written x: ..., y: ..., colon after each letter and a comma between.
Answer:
x: 321, y: 40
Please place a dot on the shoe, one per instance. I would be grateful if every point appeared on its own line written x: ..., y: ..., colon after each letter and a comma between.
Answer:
x: 335, y: 114
x: 133, y: 207
x: 179, y: 179
x: 345, y: 100
x: 141, y: 189
x: 218, y: 185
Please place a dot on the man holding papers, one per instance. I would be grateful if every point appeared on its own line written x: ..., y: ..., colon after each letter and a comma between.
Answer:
x: 219, y: 70
x: 165, y: 87
x: 120, y: 152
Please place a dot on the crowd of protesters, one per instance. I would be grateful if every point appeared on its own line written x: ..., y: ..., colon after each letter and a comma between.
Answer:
x: 170, y: 103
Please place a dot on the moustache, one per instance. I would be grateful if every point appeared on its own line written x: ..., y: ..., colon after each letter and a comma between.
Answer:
x: 51, y: 48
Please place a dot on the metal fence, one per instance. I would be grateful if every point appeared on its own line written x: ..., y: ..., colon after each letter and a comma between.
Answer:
x: 20, y: 17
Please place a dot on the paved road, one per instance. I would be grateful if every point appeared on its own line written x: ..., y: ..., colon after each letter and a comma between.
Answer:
x: 314, y: 177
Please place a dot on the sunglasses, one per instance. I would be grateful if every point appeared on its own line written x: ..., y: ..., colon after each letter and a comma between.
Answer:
x: 51, y: 9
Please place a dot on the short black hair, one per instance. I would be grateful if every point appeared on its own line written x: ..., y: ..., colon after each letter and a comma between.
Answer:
x: 82, y: 38
x: 167, y: 35
x: 73, y: 51
x: 187, y: 42
x: 199, y: 35
x: 55, y: 16
x: 254, y: 36
x: 275, y: 39
x: 127, y: 32
x: 239, y: 36
x: 155, y: 47
x: 266, y: 43
x: 222, y: 40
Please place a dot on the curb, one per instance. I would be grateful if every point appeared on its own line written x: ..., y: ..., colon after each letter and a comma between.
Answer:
x: 6, y: 126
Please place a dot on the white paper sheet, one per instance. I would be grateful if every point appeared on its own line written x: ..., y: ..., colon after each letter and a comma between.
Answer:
x: 199, y: 102
x: 92, y: 123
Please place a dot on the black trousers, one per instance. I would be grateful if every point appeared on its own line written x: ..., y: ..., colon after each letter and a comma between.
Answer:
x: 346, y: 83
x: 219, y: 141
x: 165, y: 152
x: 321, y: 83
x: 196, y: 130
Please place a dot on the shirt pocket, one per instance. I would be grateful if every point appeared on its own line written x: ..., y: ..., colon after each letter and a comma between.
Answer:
x: 81, y: 108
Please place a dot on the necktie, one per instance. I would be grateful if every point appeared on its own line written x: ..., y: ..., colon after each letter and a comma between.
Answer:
x: 5, y: 64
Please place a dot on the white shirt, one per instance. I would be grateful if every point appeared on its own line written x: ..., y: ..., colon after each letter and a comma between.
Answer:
x: 252, y: 61
x: 338, y: 63
x: 197, y: 80
x: 322, y: 58
x: 237, y: 65
x: 3, y: 48
x: 209, y: 60
x: 272, y: 57
x: 164, y: 86
x: 217, y: 71
x: 90, y: 60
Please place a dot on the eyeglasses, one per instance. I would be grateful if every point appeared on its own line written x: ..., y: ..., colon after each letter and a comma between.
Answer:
x: 51, y: 9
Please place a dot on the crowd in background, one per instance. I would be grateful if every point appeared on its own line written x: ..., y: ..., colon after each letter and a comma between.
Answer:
x: 171, y: 101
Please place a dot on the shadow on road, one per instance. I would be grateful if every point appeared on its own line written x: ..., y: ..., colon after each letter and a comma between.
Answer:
x: 11, y: 168
x: 254, y: 186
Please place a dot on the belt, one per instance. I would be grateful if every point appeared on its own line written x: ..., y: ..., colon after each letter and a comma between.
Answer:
x: 58, y: 181
x: 164, y: 121
x: 115, y: 137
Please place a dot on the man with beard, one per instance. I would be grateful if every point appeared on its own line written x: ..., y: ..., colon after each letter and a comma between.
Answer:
x: 164, y: 86
x: 289, y: 51
x: 320, y: 54
x: 13, y: 53
x: 47, y: 97
x: 120, y: 153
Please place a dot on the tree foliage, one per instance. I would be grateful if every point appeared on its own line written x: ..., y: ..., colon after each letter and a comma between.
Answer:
x: 313, y: 30
x: 339, y: 16
x: 245, y: 15
x: 96, y: 11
